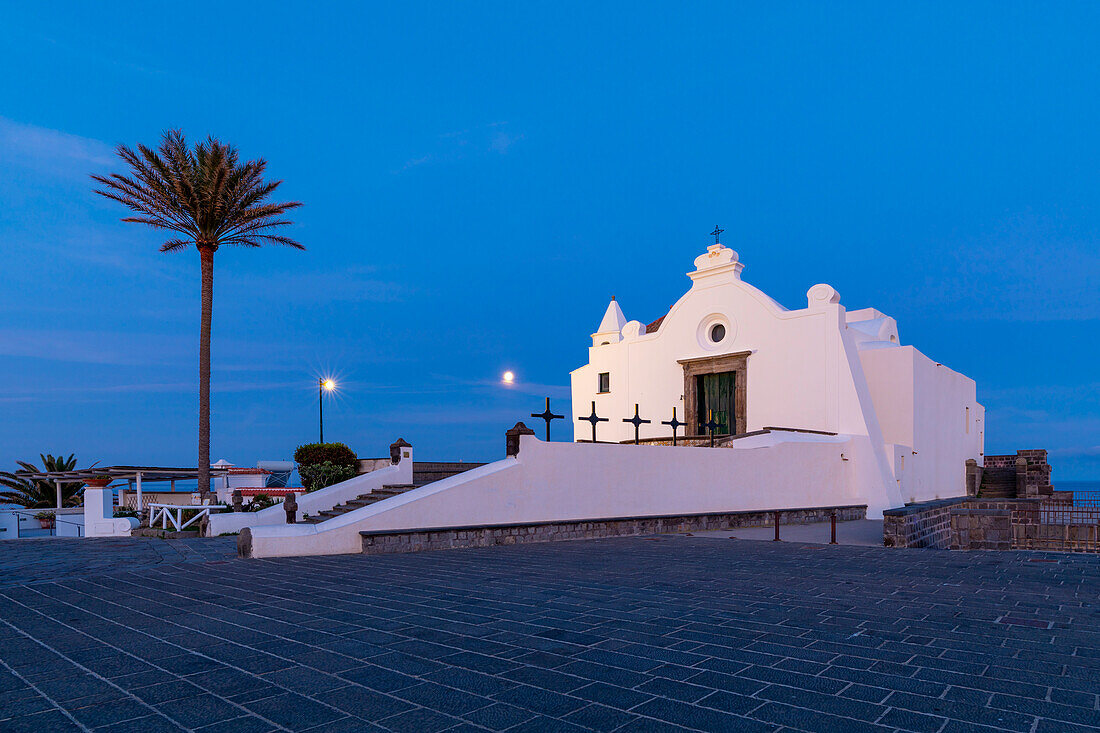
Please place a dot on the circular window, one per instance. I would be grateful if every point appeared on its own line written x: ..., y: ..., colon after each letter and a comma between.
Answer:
x: 716, y: 332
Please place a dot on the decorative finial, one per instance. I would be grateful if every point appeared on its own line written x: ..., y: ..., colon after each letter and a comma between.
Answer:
x: 715, y: 233
x: 613, y: 297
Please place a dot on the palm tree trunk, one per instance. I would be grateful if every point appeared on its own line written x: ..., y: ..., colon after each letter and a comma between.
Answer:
x: 206, y: 256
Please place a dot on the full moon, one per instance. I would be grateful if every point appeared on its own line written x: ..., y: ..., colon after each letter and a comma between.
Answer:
x: 509, y: 377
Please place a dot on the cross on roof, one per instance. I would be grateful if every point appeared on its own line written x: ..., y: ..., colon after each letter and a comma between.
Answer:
x: 637, y: 422
x: 547, y: 415
x: 593, y: 419
x: 674, y: 424
x: 716, y: 232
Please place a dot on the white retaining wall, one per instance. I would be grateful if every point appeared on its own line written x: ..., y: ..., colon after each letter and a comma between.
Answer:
x: 564, y: 481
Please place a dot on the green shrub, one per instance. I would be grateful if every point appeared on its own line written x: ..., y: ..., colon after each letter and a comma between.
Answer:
x: 312, y: 454
x: 319, y: 475
x: 125, y: 511
x: 259, y: 501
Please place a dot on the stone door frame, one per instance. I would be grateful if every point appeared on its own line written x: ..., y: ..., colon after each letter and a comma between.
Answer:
x: 738, y: 363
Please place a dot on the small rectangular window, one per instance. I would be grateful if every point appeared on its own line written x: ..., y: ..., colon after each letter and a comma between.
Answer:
x: 604, y: 383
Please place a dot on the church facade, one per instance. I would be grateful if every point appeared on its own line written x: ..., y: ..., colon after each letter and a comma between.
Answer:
x: 730, y: 360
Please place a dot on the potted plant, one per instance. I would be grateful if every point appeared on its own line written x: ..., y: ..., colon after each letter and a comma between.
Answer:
x: 46, y: 519
x: 98, y: 482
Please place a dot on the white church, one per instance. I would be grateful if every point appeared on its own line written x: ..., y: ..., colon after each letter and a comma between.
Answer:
x: 810, y: 412
x: 729, y: 355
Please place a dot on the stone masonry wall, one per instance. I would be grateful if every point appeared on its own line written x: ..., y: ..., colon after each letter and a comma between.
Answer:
x: 981, y: 529
x: 925, y: 524
x: 962, y: 523
x: 381, y: 542
x: 1038, y: 469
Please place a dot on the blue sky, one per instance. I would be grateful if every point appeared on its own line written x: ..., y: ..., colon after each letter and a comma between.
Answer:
x: 480, y: 178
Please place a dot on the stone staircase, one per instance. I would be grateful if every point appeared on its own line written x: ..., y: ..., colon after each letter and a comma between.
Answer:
x: 424, y: 473
x: 998, y: 483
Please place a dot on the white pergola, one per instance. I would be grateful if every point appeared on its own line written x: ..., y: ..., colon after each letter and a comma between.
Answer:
x: 133, y: 475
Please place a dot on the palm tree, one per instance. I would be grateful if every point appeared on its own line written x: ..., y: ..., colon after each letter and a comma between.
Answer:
x: 208, y: 200
x: 39, y: 493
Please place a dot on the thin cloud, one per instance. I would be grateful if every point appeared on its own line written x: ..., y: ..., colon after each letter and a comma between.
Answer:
x: 492, y: 138
x: 351, y: 285
x: 531, y: 388
x: 502, y: 142
x: 91, y: 347
x: 1090, y: 451
x: 456, y: 416
x: 73, y: 394
x: 51, y: 151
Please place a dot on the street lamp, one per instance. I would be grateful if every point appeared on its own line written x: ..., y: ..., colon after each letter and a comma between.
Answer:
x: 323, y: 385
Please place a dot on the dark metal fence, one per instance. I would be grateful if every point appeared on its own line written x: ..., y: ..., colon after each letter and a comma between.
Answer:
x: 1071, y: 525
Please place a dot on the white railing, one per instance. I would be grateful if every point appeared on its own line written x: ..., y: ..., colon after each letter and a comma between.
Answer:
x: 165, y: 513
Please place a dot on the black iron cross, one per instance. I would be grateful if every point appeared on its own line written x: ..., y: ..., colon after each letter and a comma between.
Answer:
x: 711, y: 426
x: 547, y: 416
x: 716, y: 232
x: 637, y: 422
x: 674, y: 424
x: 593, y: 419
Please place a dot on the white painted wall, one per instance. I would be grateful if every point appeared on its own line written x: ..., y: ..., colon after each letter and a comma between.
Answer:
x: 931, y: 415
x: 9, y: 525
x: 318, y: 501
x: 563, y: 481
x: 99, y: 515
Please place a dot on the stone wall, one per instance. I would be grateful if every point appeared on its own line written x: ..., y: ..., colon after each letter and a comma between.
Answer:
x: 925, y: 524
x: 1038, y: 470
x: 962, y: 523
x: 981, y: 529
x: 379, y: 542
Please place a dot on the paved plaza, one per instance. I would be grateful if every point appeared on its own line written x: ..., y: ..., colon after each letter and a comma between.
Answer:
x: 632, y: 634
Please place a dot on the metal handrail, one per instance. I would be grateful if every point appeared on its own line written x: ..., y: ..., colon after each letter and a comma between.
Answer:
x: 52, y: 528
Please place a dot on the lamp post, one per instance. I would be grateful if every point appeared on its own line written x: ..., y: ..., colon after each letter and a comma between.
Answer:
x: 323, y: 385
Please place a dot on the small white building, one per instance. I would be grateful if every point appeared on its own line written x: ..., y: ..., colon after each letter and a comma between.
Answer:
x: 727, y: 352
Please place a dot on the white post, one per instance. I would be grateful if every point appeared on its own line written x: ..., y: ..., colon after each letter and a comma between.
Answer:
x: 57, y: 483
x: 137, y: 490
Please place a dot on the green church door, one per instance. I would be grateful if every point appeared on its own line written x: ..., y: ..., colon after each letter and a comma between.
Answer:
x: 715, y: 397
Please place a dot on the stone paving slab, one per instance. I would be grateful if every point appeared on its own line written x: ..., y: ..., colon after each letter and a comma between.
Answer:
x: 51, y: 558
x: 631, y: 634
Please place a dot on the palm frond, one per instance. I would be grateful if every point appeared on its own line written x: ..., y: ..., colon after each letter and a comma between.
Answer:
x: 202, y: 193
